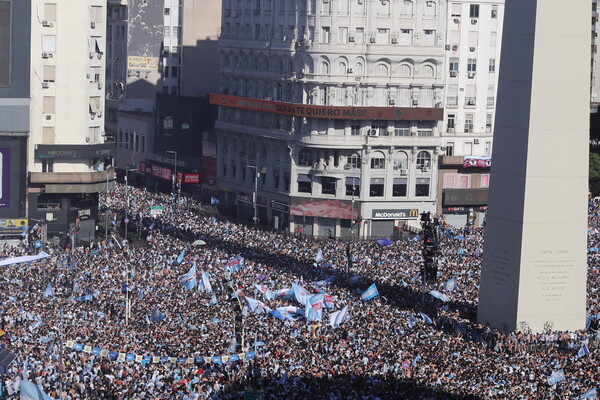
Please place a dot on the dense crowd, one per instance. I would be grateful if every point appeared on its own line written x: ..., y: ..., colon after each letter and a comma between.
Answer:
x: 403, y: 343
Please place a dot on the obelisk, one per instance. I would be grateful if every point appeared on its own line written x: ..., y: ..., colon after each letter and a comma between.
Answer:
x: 534, y: 264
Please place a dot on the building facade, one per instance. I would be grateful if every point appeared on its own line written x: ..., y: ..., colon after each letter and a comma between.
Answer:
x: 66, y: 154
x: 330, y: 115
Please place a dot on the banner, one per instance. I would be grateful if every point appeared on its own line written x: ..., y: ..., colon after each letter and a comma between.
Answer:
x: 477, y: 162
x: 328, y: 112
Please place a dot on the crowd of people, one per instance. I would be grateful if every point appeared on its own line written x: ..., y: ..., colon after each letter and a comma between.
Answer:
x: 65, y: 314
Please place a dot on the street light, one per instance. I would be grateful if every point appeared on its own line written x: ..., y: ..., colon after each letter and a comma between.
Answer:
x: 257, y: 173
x: 174, y: 187
x: 127, y: 199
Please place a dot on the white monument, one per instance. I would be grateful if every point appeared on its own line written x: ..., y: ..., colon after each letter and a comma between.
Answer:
x: 535, y: 256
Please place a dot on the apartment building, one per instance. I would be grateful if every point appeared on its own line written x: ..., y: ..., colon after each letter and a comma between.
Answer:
x: 330, y: 113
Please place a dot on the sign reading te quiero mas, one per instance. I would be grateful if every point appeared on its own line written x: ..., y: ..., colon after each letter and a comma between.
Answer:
x: 395, y: 214
x: 328, y: 112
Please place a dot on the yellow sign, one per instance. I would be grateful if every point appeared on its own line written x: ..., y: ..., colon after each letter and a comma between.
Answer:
x: 142, y: 63
x: 13, y: 223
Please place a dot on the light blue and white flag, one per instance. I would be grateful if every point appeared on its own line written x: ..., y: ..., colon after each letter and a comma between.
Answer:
x: 556, y: 377
x: 204, y: 285
x: 315, y: 311
x: 300, y: 293
x: 257, y: 306
x: 213, y: 300
x: 338, y: 317
x: 235, y: 264
x: 590, y: 394
x: 31, y: 391
x: 416, y: 360
x: 439, y: 295
x: 411, y: 321
x: 319, y: 256
x: 180, y: 257
x: 265, y: 291
x: 284, y: 294
x: 583, y: 351
x: 450, y: 285
x: 369, y: 293
x: 188, y: 280
x: 426, y: 318
x: 49, y: 292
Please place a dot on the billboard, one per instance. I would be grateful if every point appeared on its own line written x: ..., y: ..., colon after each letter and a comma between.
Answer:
x: 477, y: 162
x: 5, y: 177
x: 329, y: 112
x: 142, y: 63
x: 324, y: 208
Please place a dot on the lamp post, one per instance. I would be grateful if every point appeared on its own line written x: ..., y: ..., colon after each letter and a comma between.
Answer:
x: 255, y: 194
x: 127, y: 199
x: 174, y: 187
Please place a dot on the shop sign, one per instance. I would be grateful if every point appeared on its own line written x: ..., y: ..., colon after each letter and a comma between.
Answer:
x: 395, y: 214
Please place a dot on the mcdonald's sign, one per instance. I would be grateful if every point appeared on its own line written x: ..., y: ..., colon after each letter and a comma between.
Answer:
x: 395, y: 214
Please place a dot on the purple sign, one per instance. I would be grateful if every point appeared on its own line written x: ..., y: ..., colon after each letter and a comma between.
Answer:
x: 5, y: 176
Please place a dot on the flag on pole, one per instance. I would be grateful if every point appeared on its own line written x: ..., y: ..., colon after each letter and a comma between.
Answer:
x: 411, y: 321
x: 265, y: 291
x: 369, y: 293
x: 31, y: 391
x: 426, y: 318
x: 204, y: 285
x: 157, y: 316
x: 188, y: 280
x: 49, y: 292
x: 583, y: 351
x: 556, y: 377
x: 590, y: 394
x: 450, y: 285
x: 300, y: 293
x: 180, y: 257
x: 315, y: 311
x: 257, y: 306
x: 337, y: 317
x: 235, y: 264
x: 284, y: 294
x: 439, y: 295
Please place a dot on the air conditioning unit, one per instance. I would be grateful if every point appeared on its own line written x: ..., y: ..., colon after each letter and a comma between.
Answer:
x: 87, y: 139
x: 453, y: 74
x: 472, y: 48
x: 47, y: 24
x: 451, y: 130
x: 347, y: 166
x: 476, y: 141
x: 350, y: 70
x: 351, y: 38
x: 456, y: 20
x: 394, y: 40
x: 425, y: 168
x: 455, y: 47
x: 99, y: 114
x: 99, y: 55
x: 48, y: 117
x: 415, y: 102
x: 45, y: 85
x: 93, y: 24
x: 448, y: 47
x: 471, y: 102
x: 92, y: 54
x: 392, y: 102
x: 473, y: 21
x: 471, y: 75
x: 403, y: 172
x: 373, y: 132
x: 46, y: 55
x: 99, y: 85
x: 372, y: 40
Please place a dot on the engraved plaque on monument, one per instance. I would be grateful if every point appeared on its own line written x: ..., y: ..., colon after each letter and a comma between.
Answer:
x: 535, y: 255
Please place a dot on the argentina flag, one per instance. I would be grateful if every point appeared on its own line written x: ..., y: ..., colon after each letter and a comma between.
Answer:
x: 370, y: 293
x: 556, y: 377
x: 189, y: 280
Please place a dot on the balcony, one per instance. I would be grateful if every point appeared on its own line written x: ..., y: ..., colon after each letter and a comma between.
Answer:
x: 71, y: 177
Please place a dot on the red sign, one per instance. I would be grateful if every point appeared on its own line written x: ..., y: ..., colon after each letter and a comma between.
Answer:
x: 179, y: 176
x: 479, y: 162
x: 192, y: 178
x: 328, y: 112
x: 161, y: 172
x: 143, y: 167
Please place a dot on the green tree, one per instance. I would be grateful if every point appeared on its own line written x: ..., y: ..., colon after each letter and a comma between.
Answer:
x: 595, y: 174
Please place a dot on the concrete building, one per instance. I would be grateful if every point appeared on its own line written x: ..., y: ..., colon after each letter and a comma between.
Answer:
x: 15, y: 38
x: 66, y: 151
x: 330, y: 113
x: 473, y: 44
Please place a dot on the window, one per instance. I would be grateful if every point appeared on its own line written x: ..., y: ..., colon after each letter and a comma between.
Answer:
x: 305, y: 158
x: 494, y: 11
x: 354, y: 161
x: 430, y: 9
x: 402, y: 132
x: 453, y: 65
x: 324, y: 68
x: 233, y: 168
x: 474, y: 11
x: 50, y: 12
x: 286, y: 181
x: 47, y: 135
x: 276, y: 178
x: 492, y: 67
x: 352, y: 186
x: 450, y: 148
x: 355, y: 130
x: 485, y: 180
x: 325, y: 34
x: 405, y: 37
x: 376, y: 189
x: 405, y: 70
x: 399, y: 187
x: 328, y: 185
x: 429, y: 37
x: 488, y: 122
x: 472, y: 65
x: 406, y: 8
x: 382, y: 70
x: 47, y: 165
x: 383, y: 36
x: 422, y: 187
x: 451, y: 121
x: 48, y: 105
x: 174, y: 72
x: 423, y: 159
x: 377, y: 160
x: 342, y: 68
x: 468, y: 123
x: 96, y: 14
x: 167, y: 31
x: 304, y: 183
x: 343, y: 36
x: 167, y: 11
x: 360, y: 36
x: 49, y: 43
x: 49, y: 73
x: 224, y: 167
x: 400, y: 161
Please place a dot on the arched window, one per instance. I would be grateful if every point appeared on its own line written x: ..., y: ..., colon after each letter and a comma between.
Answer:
x: 406, y: 9
x: 305, y: 158
x: 405, y: 70
x: 381, y: 70
x: 354, y: 160
x: 427, y: 71
x: 423, y: 159
x: 324, y: 68
x: 358, y: 69
x: 342, y: 69
x: 430, y: 9
x: 400, y: 161
x: 377, y: 160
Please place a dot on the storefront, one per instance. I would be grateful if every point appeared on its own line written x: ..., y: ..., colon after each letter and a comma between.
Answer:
x: 387, y: 222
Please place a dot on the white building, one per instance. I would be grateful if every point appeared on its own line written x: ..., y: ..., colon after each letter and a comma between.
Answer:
x: 338, y: 105
x: 65, y: 147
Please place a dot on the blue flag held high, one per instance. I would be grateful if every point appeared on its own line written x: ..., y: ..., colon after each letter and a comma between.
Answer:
x: 314, y: 309
x: 384, y: 242
x: 213, y: 300
x: 583, y: 351
x: 590, y: 394
x: 300, y: 293
x: 188, y: 280
x: 439, y: 295
x: 31, y: 391
x: 204, y: 285
x: 180, y: 257
x: 556, y: 377
x: 450, y: 285
x: 49, y: 292
x: 370, y: 293
x: 426, y: 318
x: 411, y: 321
x: 157, y: 316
